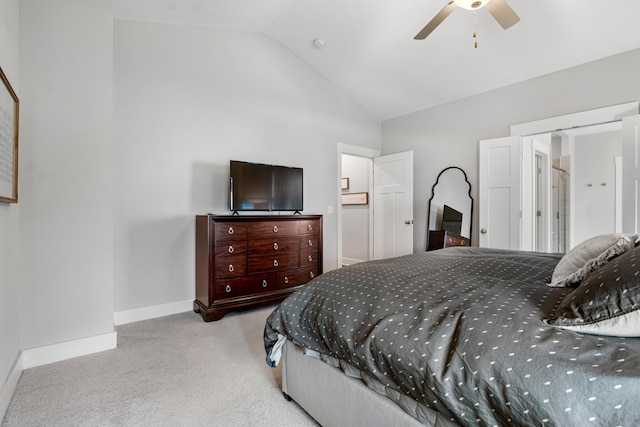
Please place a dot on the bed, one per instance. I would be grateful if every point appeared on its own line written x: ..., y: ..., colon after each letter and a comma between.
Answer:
x: 467, y: 336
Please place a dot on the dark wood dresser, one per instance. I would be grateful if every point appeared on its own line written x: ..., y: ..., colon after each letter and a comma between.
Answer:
x: 248, y: 261
x: 439, y: 239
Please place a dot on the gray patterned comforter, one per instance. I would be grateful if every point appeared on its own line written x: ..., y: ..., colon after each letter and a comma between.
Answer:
x: 460, y: 331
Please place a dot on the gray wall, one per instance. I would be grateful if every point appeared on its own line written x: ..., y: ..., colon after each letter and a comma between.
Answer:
x: 187, y: 100
x: 66, y: 175
x: 448, y: 134
x: 9, y: 218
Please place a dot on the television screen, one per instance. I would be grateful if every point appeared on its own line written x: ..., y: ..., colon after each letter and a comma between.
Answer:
x: 451, y: 220
x: 262, y: 187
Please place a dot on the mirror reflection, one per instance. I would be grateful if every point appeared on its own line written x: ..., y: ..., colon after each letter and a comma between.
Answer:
x: 450, y: 210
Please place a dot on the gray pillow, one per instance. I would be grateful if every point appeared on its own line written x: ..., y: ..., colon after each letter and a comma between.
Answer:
x: 607, y: 302
x: 588, y: 256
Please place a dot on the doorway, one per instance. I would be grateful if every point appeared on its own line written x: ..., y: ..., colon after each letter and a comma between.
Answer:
x: 609, y: 179
x: 356, y: 179
x: 387, y: 204
x: 358, y: 156
x: 586, y: 183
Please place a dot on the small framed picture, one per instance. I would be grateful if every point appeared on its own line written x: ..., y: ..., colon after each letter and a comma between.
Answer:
x: 345, y: 183
x: 355, y: 199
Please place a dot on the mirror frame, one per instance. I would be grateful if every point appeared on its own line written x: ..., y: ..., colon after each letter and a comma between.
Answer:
x: 433, y: 188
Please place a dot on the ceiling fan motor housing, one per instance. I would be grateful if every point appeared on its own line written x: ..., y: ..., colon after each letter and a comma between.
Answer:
x: 470, y: 4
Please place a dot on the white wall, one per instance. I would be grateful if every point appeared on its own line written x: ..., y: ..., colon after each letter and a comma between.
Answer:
x: 66, y: 175
x: 355, y: 218
x: 9, y: 224
x: 187, y: 100
x: 448, y: 135
x: 594, y: 204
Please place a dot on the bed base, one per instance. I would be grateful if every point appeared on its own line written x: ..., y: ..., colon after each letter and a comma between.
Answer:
x: 335, y: 399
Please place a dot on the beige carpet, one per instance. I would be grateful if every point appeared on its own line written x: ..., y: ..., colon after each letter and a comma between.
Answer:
x: 172, y: 371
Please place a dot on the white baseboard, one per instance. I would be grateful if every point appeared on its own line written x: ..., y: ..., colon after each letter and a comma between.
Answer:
x: 9, y: 385
x: 151, y: 312
x: 67, y: 350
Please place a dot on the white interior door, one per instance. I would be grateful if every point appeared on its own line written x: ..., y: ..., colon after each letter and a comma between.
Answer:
x: 499, y: 193
x: 393, y: 205
x: 630, y: 174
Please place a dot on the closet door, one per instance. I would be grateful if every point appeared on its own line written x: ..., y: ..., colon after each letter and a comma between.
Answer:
x: 499, y: 193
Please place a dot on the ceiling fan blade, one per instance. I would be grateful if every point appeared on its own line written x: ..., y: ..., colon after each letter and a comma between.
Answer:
x: 437, y: 20
x: 502, y: 13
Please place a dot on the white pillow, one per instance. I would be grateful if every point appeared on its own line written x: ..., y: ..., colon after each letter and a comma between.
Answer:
x: 588, y: 256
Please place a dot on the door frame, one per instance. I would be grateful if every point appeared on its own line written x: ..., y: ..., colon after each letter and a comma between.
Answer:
x: 596, y: 116
x: 535, y: 209
x: 368, y: 153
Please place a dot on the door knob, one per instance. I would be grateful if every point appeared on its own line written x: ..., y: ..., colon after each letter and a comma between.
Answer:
x: 483, y: 231
x: 408, y: 222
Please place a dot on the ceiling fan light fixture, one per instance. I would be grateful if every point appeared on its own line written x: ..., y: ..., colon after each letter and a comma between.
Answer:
x: 471, y: 4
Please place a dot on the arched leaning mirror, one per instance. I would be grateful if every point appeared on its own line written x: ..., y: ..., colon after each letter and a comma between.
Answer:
x: 450, y: 210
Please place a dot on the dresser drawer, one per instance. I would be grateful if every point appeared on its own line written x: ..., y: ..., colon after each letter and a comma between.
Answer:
x: 272, y: 228
x: 309, y: 227
x: 224, y: 249
x: 299, y: 276
x: 308, y: 243
x: 455, y: 241
x: 273, y: 246
x: 250, y: 284
x: 308, y: 256
x: 231, y: 266
x: 230, y: 230
x: 439, y: 239
x: 272, y: 263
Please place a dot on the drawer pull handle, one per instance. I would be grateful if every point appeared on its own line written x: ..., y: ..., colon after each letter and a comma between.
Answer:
x: 227, y: 289
x: 230, y: 230
x: 311, y: 274
x: 231, y: 268
x: 230, y: 249
x: 275, y: 262
x: 310, y: 258
x: 264, y: 283
x: 309, y: 227
x: 275, y: 246
x: 275, y: 228
x: 286, y: 279
x: 310, y: 243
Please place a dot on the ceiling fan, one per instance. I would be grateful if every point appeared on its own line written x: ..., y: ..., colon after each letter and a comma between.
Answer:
x: 499, y: 9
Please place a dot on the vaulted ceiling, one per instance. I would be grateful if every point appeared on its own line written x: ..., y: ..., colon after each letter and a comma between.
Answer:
x: 369, y: 50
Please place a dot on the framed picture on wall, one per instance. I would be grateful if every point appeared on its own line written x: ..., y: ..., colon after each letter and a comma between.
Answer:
x: 355, y: 199
x: 8, y: 142
x: 345, y: 183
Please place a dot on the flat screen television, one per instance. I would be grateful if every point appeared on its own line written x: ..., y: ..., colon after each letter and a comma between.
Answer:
x: 451, y: 220
x: 263, y: 187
